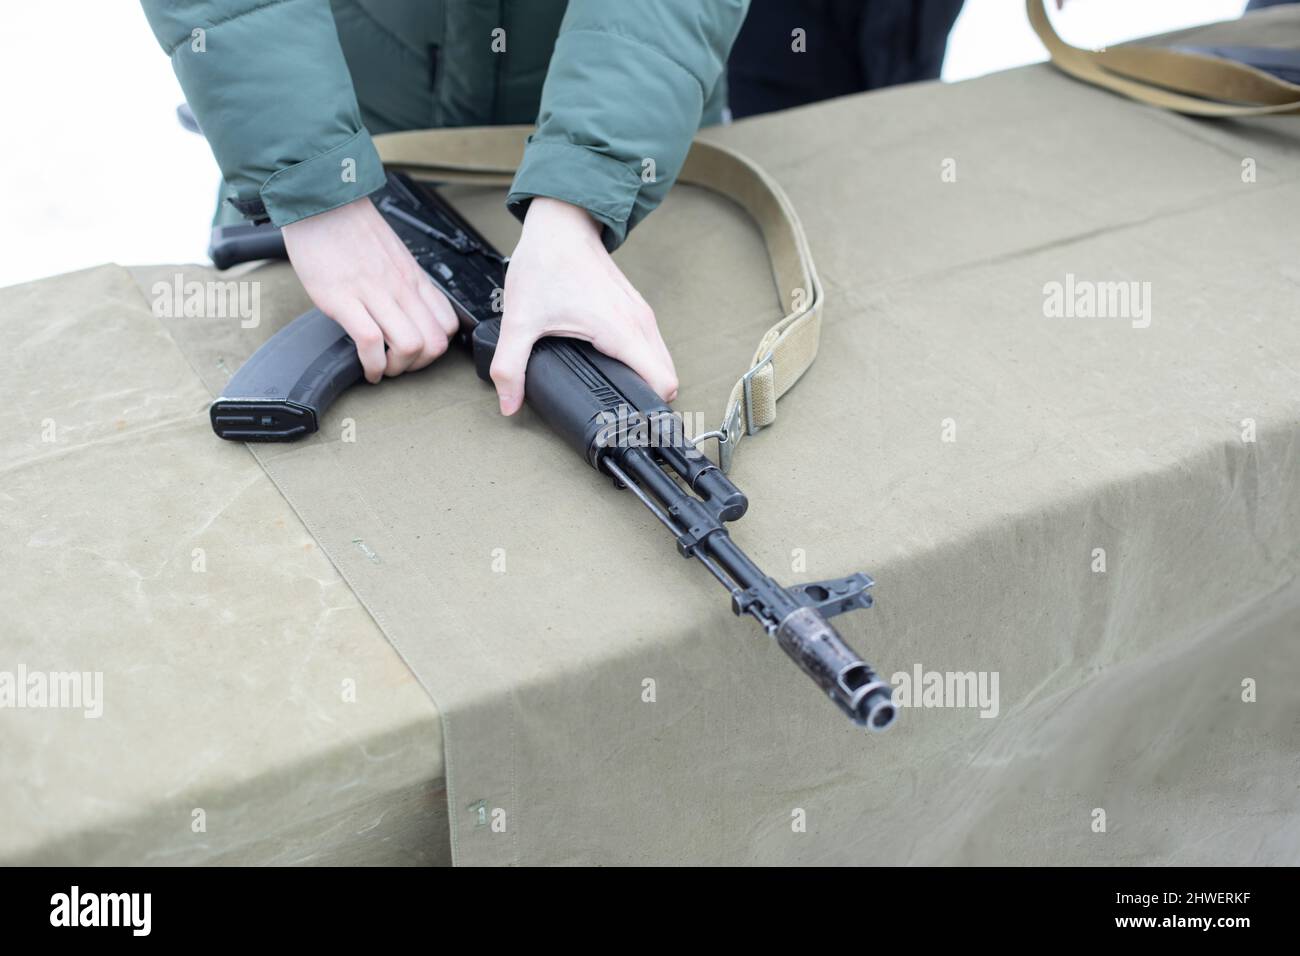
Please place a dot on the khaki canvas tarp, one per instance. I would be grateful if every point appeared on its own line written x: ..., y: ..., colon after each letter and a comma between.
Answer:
x: 977, y: 455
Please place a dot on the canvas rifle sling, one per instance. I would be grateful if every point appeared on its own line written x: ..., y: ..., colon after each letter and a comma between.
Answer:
x: 1175, y: 80
x: 490, y: 156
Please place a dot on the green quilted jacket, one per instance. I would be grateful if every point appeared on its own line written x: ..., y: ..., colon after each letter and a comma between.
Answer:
x: 288, y: 92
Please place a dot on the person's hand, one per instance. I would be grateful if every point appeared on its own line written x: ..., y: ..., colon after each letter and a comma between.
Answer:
x: 562, y: 281
x: 362, y: 276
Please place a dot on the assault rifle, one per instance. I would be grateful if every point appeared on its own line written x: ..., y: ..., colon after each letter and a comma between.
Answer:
x: 598, y: 406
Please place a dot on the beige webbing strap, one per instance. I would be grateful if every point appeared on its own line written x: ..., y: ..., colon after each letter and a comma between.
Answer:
x: 1171, y: 79
x: 490, y: 156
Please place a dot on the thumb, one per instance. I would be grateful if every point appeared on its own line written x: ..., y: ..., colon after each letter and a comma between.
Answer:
x: 509, y: 364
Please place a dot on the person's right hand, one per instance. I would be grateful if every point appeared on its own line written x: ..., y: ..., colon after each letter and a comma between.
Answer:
x: 362, y: 276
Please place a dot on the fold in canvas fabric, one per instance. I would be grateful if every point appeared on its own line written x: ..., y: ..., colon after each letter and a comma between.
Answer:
x: 231, y: 700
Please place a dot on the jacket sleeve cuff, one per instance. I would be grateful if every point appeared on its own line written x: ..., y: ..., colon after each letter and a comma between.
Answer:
x: 328, y: 180
x: 604, y: 186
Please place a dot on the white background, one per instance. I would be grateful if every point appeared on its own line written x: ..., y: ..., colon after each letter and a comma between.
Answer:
x: 94, y: 166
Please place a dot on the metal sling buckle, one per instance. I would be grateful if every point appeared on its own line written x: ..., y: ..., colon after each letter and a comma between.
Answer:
x: 731, y: 427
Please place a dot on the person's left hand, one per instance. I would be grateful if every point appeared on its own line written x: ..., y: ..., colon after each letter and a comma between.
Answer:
x: 562, y: 281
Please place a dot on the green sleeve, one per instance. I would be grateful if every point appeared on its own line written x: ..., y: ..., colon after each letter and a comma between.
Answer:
x: 268, y: 84
x: 624, y: 97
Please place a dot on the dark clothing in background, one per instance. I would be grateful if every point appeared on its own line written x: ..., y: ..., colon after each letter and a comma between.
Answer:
x: 850, y: 46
